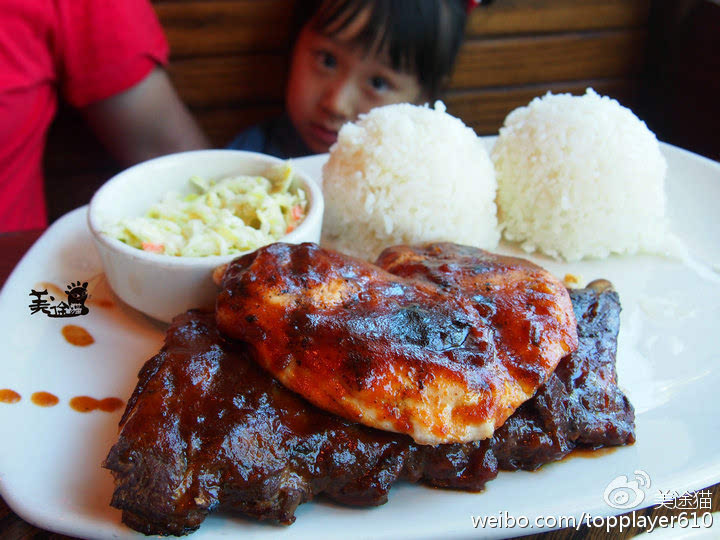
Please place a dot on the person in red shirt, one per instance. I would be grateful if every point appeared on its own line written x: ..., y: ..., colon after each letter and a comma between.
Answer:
x: 105, y: 58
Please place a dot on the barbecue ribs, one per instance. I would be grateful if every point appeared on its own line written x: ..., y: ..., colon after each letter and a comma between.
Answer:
x: 207, y: 429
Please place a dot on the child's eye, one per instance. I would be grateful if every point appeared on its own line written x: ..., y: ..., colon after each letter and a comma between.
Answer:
x: 327, y: 59
x: 379, y: 83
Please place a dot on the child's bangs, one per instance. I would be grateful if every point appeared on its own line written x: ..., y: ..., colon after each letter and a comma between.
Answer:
x: 385, y: 30
x: 421, y: 38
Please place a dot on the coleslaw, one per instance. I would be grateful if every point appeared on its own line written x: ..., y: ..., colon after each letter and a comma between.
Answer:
x: 232, y: 215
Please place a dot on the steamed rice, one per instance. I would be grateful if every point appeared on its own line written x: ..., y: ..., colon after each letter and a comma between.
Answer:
x: 408, y: 174
x: 580, y: 177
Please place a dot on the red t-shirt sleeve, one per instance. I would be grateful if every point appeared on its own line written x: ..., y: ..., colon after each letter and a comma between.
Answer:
x: 105, y: 47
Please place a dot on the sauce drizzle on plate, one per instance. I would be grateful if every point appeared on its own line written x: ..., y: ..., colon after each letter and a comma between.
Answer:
x: 86, y: 404
x: 9, y: 396
x: 581, y: 452
x: 44, y: 399
x: 77, y: 335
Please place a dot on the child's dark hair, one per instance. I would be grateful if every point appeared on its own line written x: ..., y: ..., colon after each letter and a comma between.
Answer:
x: 420, y: 36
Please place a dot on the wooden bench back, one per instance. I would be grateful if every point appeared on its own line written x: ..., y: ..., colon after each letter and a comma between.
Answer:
x: 230, y: 59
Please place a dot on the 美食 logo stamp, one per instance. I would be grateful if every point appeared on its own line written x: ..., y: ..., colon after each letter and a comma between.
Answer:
x: 74, y: 306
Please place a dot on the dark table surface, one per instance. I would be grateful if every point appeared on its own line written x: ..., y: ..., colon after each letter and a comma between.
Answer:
x: 12, y: 527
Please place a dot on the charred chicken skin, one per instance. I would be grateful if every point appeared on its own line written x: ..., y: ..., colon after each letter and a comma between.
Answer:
x: 401, y: 353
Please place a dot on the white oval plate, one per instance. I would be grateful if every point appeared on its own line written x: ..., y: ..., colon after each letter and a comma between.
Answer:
x: 668, y: 363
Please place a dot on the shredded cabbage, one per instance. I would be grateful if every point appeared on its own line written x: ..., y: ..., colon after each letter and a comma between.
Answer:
x: 231, y: 215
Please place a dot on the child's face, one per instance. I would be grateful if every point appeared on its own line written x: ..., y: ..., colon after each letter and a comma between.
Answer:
x: 332, y: 83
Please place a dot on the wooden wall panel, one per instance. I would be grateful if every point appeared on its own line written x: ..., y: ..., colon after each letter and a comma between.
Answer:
x: 230, y: 81
x: 220, y: 27
x: 549, y: 16
x: 559, y: 57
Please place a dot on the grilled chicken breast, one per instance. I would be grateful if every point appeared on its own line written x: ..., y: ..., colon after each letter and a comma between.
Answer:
x: 399, y: 353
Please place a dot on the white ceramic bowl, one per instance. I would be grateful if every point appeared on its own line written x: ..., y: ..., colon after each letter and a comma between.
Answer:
x: 163, y: 286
